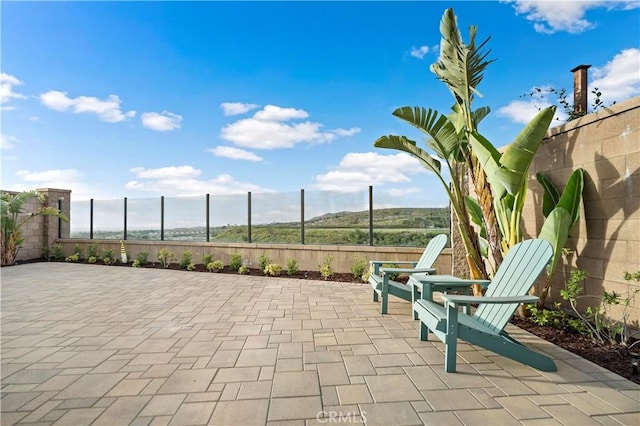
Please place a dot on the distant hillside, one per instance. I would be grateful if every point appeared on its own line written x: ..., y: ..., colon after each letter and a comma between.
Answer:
x: 392, y: 217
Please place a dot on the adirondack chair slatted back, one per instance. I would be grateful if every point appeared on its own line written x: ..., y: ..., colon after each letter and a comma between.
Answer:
x: 432, y: 251
x: 519, y: 270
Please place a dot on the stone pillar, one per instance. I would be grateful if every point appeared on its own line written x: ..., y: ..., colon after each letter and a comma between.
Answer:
x: 580, y: 90
x: 55, y: 198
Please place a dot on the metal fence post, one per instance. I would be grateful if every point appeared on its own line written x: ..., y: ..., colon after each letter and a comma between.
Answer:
x: 91, y: 219
x: 370, y: 215
x: 302, y: 216
x: 249, y: 216
x: 162, y: 218
x: 124, y: 237
x: 207, y: 221
x: 60, y: 220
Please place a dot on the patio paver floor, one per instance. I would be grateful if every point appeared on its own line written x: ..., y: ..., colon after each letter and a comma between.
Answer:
x: 89, y: 345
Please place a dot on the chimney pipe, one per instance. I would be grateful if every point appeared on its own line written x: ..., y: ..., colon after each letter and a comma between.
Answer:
x: 580, y: 86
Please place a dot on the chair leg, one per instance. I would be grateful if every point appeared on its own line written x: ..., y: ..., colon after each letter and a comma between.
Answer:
x: 385, y: 302
x: 414, y: 297
x: 375, y: 296
x: 451, y: 339
x: 424, y: 331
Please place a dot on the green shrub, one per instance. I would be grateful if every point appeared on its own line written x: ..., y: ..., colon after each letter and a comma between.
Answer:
x: 272, y: 269
x: 292, y: 267
x: 326, y: 269
x: 92, y: 250
x: 243, y: 270
x: 207, y: 259
x: 57, y: 251
x: 186, y: 259
x: 191, y: 266
x: 72, y: 258
x: 135, y: 263
x: 142, y: 258
x: 215, y: 266
x: 235, y: 262
x: 392, y: 275
x: 107, y: 257
x: 92, y: 259
x: 77, y: 249
x: 359, y: 266
x: 45, y: 253
x: 165, y: 257
x: 263, y: 261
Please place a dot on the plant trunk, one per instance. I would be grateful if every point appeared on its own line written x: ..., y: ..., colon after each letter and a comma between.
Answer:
x: 485, y: 198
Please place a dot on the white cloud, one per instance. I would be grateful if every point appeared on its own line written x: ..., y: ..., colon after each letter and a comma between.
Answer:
x: 267, y: 129
x: 50, y: 175
x: 180, y: 172
x: 401, y: 192
x: 235, y: 153
x: 522, y: 112
x: 161, y: 121
x: 181, y: 181
x: 618, y: 79
x: 7, y: 85
x: 235, y: 108
x: 419, y: 52
x: 357, y: 171
x: 7, y: 142
x: 107, y: 110
x: 550, y: 16
x: 71, y: 179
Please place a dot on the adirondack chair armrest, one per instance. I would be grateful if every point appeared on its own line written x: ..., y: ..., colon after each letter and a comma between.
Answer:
x: 389, y: 262
x: 386, y: 270
x: 455, y: 299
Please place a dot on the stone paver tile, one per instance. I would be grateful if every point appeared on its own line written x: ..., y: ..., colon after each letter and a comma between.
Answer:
x: 280, y: 324
x: 568, y: 415
x: 224, y: 358
x: 549, y: 421
x: 257, y: 357
x: 110, y: 366
x: 392, y: 388
x: 354, y: 394
x: 391, y: 346
x: 87, y: 359
x: 196, y: 413
x: 323, y: 356
x: 230, y: 391
x: 255, y: 390
x: 496, y: 416
x: 424, y: 378
x: 237, y: 374
x: 591, y: 405
x: 466, y: 377
x: 245, y: 330
x: 395, y: 360
x: 292, y: 364
x: 41, y: 412
x: 352, y: 337
x: 454, y: 399
x: 447, y: 418
x: 30, y: 376
x: 195, y: 349
x: 91, y: 385
x: 613, y: 397
x: 78, y: 403
x: 182, y: 381
x: 163, y: 405
x: 333, y: 373
x: 299, y: 383
x: 290, y: 350
x: 163, y: 370
x: 10, y: 419
x: 152, y: 359
x: 485, y: 397
x: 79, y: 417
x: 247, y: 412
x: 154, y: 345
x: 510, y: 385
x: 306, y: 407
x: 122, y: 411
x: 256, y: 342
x: 359, y: 365
x: 129, y: 387
x: 390, y: 413
x: 124, y: 342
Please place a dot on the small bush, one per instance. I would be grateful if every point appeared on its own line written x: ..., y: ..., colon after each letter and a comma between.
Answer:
x: 292, y: 267
x: 207, y: 259
x: 135, y: 263
x: 191, y: 266
x: 272, y: 269
x: 77, y: 249
x: 326, y: 269
x: 57, y: 251
x: 92, y: 250
x: 73, y: 258
x: 392, y: 275
x: 263, y: 261
x: 235, y: 262
x: 142, y: 258
x: 92, y: 259
x: 243, y: 270
x: 45, y: 253
x: 165, y: 257
x: 215, y: 266
x: 186, y: 259
x: 107, y: 257
x: 359, y: 266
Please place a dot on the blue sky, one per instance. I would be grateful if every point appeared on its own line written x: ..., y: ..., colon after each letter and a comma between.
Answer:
x: 138, y: 100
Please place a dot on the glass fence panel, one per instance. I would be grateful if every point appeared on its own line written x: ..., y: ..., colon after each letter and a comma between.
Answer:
x: 108, y: 219
x: 337, y: 217
x: 228, y: 218
x: 143, y: 219
x: 403, y: 219
x: 185, y: 218
x: 79, y: 219
x: 275, y: 217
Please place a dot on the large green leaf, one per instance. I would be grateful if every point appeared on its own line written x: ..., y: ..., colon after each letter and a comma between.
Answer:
x: 572, y: 194
x: 444, y: 139
x: 555, y: 230
x: 475, y: 212
x: 551, y: 194
x: 402, y: 143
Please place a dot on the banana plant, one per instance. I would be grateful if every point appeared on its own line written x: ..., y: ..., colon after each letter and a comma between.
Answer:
x: 12, y: 221
x: 561, y: 213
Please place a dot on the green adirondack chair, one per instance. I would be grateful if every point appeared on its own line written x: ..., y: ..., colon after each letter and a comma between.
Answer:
x: 509, y: 288
x: 383, y: 286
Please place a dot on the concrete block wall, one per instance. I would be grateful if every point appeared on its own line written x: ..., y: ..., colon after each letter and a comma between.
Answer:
x: 606, y: 241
